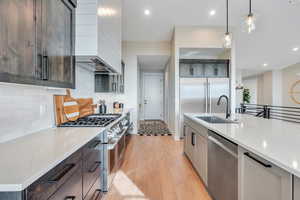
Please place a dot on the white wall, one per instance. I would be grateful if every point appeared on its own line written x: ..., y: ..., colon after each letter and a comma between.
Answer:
x: 251, y: 84
x: 290, y: 75
x: 130, y: 53
x: 26, y: 109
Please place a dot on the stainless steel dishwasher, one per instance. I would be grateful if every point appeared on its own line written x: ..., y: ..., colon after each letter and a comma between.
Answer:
x: 222, y: 168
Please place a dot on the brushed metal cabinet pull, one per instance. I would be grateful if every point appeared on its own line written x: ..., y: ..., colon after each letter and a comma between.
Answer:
x: 62, y: 173
x: 70, y: 197
x: 95, y: 167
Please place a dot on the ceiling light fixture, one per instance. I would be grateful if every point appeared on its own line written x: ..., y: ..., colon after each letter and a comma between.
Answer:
x: 212, y: 12
x: 296, y: 49
x: 147, y: 12
x: 227, y: 37
x: 265, y: 64
x: 250, y: 19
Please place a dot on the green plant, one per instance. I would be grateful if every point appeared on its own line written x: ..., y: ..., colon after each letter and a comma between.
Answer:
x: 246, y: 96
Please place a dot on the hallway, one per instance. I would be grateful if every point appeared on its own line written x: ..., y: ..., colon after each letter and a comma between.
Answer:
x: 156, y: 169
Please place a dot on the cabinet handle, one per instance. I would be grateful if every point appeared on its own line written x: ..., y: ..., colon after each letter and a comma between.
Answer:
x: 96, y: 194
x: 193, y: 138
x: 95, y: 144
x: 45, y: 68
x: 61, y: 174
x: 69, y: 198
x: 95, y: 167
x: 41, y: 57
x: 258, y: 161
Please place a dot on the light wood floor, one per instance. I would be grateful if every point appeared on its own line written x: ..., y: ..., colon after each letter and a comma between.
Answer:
x: 156, y: 169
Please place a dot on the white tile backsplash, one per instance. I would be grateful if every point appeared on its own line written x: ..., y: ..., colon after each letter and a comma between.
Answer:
x: 26, y: 109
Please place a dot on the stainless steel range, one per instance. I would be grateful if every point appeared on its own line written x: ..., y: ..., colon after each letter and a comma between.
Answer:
x: 115, y: 125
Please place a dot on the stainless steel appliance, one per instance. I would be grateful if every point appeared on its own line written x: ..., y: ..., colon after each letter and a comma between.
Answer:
x: 115, y: 126
x: 200, y: 95
x: 222, y: 178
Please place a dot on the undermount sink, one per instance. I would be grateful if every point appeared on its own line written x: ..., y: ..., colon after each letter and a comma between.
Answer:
x: 215, y: 120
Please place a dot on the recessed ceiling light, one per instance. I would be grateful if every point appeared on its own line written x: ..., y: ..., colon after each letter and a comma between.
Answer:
x: 295, y: 48
x: 265, y: 64
x: 212, y: 12
x: 147, y: 12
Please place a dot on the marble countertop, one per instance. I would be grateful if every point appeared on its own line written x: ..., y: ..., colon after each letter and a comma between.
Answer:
x: 274, y: 140
x: 26, y: 159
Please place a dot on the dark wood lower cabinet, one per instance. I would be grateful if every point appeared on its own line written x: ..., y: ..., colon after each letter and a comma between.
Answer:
x: 71, y: 189
x: 95, y: 192
x: 78, y: 177
x: 91, y: 165
x: 44, y: 187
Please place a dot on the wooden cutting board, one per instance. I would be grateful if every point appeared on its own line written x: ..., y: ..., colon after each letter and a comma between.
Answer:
x: 70, y: 107
x: 86, y: 107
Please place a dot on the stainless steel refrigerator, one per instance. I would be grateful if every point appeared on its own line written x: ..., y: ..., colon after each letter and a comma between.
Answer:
x: 200, y: 95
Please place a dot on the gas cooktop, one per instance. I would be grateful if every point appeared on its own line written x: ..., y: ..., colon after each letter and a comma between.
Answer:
x: 96, y: 120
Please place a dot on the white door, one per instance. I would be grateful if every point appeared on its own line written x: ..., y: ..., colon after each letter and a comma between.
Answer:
x: 153, y: 96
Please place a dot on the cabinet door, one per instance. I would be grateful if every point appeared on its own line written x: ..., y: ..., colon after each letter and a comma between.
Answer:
x: 58, y: 42
x: 17, y: 41
x: 189, y: 143
x: 261, y: 180
x: 200, y: 156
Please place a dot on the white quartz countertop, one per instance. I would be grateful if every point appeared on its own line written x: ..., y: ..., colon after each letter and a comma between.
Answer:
x: 26, y: 159
x: 274, y: 140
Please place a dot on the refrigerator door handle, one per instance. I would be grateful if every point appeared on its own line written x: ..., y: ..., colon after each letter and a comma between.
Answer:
x: 206, y: 96
x: 209, y: 94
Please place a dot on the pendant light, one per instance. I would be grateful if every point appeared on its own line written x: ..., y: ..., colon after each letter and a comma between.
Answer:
x: 250, y: 19
x: 227, y: 37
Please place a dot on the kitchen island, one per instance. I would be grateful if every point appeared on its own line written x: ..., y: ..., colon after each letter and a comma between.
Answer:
x: 264, y: 148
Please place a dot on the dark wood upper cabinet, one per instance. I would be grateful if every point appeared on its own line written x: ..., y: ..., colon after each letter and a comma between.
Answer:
x: 17, y: 40
x: 37, y: 42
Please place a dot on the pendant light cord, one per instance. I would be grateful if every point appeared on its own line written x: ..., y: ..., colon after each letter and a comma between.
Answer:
x: 227, y: 16
x: 250, y: 7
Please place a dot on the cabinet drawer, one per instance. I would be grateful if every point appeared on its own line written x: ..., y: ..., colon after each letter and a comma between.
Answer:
x: 260, y: 180
x: 90, y: 147
x: 95, y: 192
x: 91, y: 165
x: 44, y: 187
x: 71, y: 189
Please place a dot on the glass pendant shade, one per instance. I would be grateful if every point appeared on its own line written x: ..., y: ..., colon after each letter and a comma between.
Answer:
x: 227, y: 40
x: 250, y: 23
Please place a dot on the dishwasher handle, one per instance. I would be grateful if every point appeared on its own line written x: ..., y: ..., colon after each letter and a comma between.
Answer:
x: 217, y: 142
x: 258, y: 161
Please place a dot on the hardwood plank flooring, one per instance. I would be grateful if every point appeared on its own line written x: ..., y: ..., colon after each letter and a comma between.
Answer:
x: 156, y: 169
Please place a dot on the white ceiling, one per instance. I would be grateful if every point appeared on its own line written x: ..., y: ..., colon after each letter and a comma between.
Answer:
x: 278, y: 26
x: 153, y: 63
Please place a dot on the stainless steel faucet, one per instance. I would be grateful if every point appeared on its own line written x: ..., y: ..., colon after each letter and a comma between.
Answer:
x: 227, y: 105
